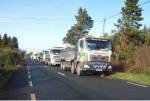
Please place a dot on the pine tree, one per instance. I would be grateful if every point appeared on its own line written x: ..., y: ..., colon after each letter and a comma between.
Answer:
x: 5, y: 40
x: 128, y: 34
x: 82, y: 27
x: 129, y: 23
x: 84, y: 21
x: 9, y: 42
x: 14, y: 42
x: 0, y: 41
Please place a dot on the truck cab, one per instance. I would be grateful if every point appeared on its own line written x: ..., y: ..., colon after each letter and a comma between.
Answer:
x: 55, y: 55
x: 45, y: 58
x: 91, y: 54
x: 94, y: 54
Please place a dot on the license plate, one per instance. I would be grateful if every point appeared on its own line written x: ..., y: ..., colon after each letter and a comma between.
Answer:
x: 98, y: 69
x: 100, y: 66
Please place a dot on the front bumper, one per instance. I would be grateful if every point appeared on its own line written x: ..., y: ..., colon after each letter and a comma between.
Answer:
x: 55, y: 62
x: 96, y: 66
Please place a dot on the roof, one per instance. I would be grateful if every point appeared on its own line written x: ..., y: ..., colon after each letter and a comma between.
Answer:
x: 91, y: 37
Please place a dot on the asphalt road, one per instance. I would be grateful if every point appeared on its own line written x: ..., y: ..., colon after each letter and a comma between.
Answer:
x: 41, y: 82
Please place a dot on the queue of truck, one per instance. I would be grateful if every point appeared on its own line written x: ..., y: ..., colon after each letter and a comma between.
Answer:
x: 90, y: 54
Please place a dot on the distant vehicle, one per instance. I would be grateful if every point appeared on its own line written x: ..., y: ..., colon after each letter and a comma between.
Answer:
x: 90, y: 54
x: 54, y: 54
x: 40, y: 57
x: 45, y: 57
x: 34, y: 56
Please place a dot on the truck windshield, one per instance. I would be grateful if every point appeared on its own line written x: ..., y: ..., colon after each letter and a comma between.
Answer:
x: 46, y: 52
x: 56, y: 52
x: 98, y: 45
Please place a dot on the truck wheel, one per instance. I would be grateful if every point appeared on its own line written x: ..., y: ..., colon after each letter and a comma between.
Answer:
x: 64, y: 68
x: 107, y: 73
x: 51, y: 65
x: 61, y: 65
x: 102, y: 75
x: 79, y: 71
x: 72, y: 68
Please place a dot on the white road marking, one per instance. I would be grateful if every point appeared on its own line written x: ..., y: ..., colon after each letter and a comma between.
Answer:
x: 136, y: 84
x: 61, y: 73
x: 30, y: 83
x: 33, y: 98
x: 29, y: 76
x: 28, y: 72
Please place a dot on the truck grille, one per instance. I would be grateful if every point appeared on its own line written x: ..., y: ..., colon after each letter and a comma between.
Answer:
x: 57, y: 58
x: 99, y: 58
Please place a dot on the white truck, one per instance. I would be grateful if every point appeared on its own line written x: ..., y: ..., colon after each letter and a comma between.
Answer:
x: 90, y: 54
x: 54, y: 55
x: 34, y: 56
x: 45, y: 58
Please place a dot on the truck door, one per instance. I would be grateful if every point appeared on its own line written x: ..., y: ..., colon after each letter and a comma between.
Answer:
x: 80, y: 51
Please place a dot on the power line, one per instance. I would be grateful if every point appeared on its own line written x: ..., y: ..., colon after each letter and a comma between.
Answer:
x: 36, y: 18
x: 146, y: 2
x: 113, y: 16
x: 42, y: 19
x: 107, y: 18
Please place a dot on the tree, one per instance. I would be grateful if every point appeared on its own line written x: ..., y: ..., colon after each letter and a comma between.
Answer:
x: 9, y: 42
x: 84, y: 21
x: 0, y: 40
x: 5, y: 40
x: 129, y: 23
x: 14, y: 42
x: 82, y: 27
x: 128, y: 34
x: 146, y: 33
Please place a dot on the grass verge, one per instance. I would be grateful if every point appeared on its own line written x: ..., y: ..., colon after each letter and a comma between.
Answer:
x: 4, y: 80
x: 7, y: 74
x: 141, y: 78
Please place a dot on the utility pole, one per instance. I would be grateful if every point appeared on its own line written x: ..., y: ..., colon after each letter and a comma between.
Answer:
x: 103, y: 30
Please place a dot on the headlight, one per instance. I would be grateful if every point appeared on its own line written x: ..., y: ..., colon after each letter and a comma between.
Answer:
x: 86, y: 66
x: 110, y: 67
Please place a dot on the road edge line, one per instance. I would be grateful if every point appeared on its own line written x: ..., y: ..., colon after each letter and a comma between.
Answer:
x: 33, y: 98
x: 30, y: 83
x: 136, y: 84
x: 61, y: 73
x: 29, y: 76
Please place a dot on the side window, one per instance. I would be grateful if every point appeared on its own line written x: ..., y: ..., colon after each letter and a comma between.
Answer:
x: 81, y: 44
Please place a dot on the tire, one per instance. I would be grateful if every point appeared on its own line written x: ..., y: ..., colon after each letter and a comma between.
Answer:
x: 73, y: 68
x: 51, y: 64
x: 107, y: 73
x: 64, y: 68
x: 61, y: 65
x: 102, y: 75
x: 78, y: 70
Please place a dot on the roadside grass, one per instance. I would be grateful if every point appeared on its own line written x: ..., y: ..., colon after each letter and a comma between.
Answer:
x: 141, y: 78
x: 4, y: 80
x: 7, y: 73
